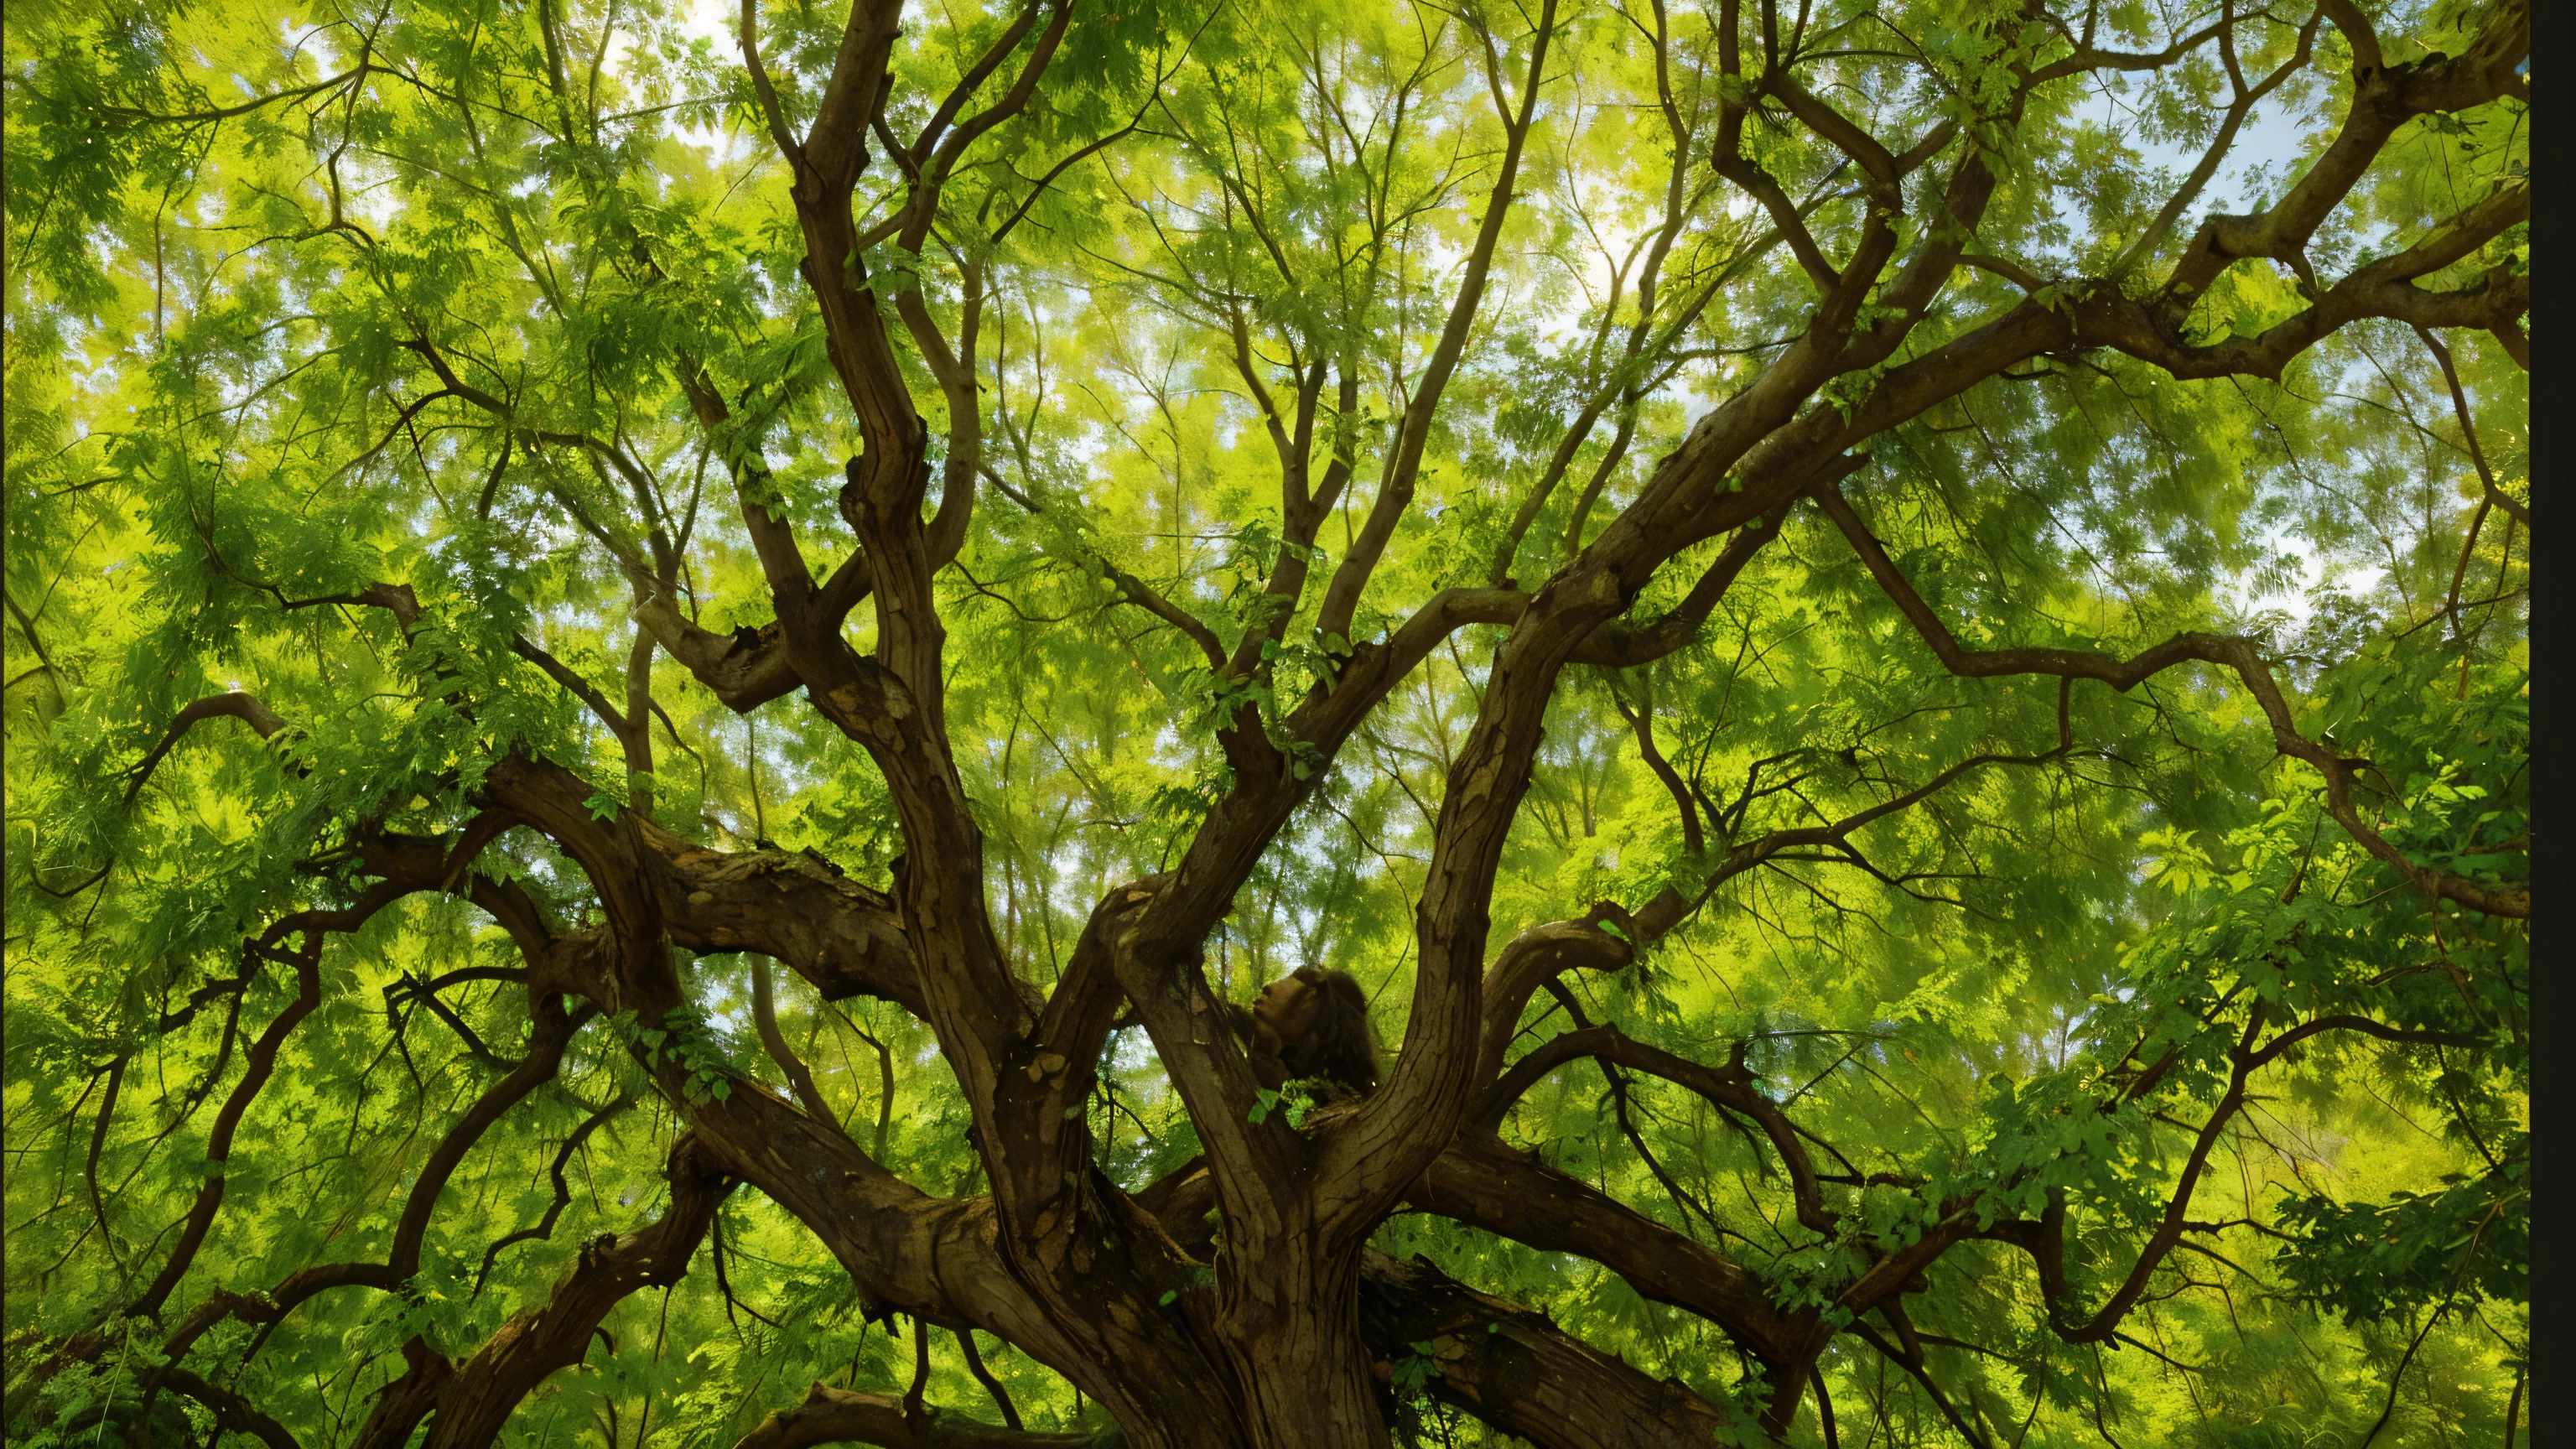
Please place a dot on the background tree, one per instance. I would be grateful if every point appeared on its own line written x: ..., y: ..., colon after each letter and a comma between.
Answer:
x: 661, y: 691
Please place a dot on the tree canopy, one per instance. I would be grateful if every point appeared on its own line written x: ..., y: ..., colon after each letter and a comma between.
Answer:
x: 672, y: 673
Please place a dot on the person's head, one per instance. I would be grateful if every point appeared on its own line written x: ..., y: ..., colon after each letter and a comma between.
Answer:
x: 1321, y: 1018
x: 1288, y: 1006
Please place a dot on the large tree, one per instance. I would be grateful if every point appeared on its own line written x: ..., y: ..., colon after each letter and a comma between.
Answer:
x: 670, y: 672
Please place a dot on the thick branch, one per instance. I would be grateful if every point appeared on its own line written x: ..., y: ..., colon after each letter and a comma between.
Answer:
x: 1517, y: 1371
x: 1484, y: 1183
x: 231, y: 1411
x: 840, y: 1416
x: 2384, y: 98
x: 479, y: 1397
x: 838, y: 934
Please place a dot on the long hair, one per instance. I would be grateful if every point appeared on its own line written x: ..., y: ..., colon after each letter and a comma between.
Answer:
x: 1341, y: 1046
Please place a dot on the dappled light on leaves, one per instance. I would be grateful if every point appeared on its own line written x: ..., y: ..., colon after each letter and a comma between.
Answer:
x: 1159, y: 723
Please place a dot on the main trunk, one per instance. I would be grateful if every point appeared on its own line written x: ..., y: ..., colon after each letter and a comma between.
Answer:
x: 1258, y: 1363
x: 1290, y: 1332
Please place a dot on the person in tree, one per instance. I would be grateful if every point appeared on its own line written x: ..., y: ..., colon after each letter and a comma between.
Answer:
x: 1765, y: 527
x: 1311, y: 1025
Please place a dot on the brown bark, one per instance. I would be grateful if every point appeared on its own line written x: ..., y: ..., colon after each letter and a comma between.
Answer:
x: 476, y: 1400
x: 833, y: 1416
x: 1304, y: 1334
x: 1514, y: 1370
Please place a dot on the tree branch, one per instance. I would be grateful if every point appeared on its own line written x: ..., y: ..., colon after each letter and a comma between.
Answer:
x: 835, y: 1416
x: 2234, y: 654
x: 235, y: 705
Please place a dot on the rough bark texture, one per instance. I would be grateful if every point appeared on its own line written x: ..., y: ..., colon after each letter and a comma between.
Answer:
x: 1304, y: 1332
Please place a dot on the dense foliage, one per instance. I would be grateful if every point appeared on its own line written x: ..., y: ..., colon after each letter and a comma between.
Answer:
x: 665, y: 667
